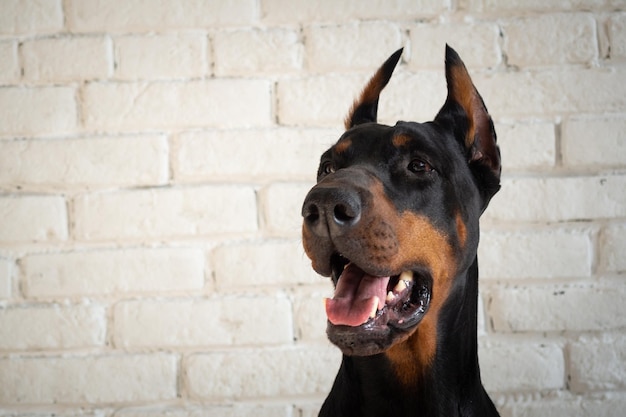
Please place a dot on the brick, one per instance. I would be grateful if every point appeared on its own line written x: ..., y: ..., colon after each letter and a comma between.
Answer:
x: 106, y: 272
x: 550, y: 39
x: 175, y: 55
x: 536, y: 253
x: 41, y: 110
x: 166, y: 212
x: 552, y: 92
x: 277, y: 11
x: 33, y: 219
x: 614, y: 247
x: 256, y: 51
x: 232, y: 410
x: 261, y: 154
x: 598, y: 363
x: 267, y: 263
x: 122, y: 16
x: 261, y: 373
x: 556, y: 308
x: 329, y: 48
x: 527, y: 146
x: 594, y: 142
x: 477, y: 43
x: 571, y: 406
x: 52, y: 327
x: 282, y: 207
x: 6, y: 278
x: 212, y: 103
x: 214, y: 322
x: 88, y: 379
x: 47, y: 59
x: 9, y: 65
x: 516, y: 366
x: 84, y: 163
x: 542, y: 199
x: 31, y: 16
x: 539, y: 5
x: 617, y: 35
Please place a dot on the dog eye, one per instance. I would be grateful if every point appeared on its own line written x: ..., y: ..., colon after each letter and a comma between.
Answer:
x: 418, y: 166
x: 327, y: 168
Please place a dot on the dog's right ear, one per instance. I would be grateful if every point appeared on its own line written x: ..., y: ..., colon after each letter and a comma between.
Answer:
x: 365, y: 108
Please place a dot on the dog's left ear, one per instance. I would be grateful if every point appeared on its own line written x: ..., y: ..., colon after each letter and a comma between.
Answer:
x: 365, y: 108
x: 465, y: 111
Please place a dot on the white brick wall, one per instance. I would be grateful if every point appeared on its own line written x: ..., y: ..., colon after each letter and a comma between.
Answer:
x: 161, y: 56
x: 37, y: 111
x: 154, y: 156
x: 522, y: 366
x: 550, y: 39
x: 9, y: 67
x: 598, y: 363
x: 47, y: 59
x: 267, y: 51
x: 165, y: 212
x: 54, y: 326
x: 29, y: 218
x: 98, y: 162
x: 31, y: 17
x: 112, y: 272
x: 88, y: 379
x: 212, y: 322
x: 175, y: 104
x: 245, y: 374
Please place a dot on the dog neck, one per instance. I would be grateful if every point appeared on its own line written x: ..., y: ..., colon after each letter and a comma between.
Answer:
x: 444, y: 382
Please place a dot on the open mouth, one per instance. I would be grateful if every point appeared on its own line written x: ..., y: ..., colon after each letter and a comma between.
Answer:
x: 376, y: 303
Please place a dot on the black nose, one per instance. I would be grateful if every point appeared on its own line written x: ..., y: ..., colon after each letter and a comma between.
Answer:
x: 331, y: 210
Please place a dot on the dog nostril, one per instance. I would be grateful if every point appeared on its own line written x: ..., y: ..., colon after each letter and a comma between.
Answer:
x: 344, y: 214
x: 311, y: 213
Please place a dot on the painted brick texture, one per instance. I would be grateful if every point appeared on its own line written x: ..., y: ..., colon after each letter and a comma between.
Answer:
x: 154, y: 156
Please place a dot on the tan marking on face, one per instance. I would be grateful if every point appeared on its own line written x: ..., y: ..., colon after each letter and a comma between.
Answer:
x: 400, y: 140
x: 461, y: 230
x: 343, y: 145
x: 412, y: 358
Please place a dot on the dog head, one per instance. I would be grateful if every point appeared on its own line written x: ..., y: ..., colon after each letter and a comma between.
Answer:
x: 393, y: 219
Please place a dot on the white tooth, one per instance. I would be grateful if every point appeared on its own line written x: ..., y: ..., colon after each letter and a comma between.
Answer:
x: 374, y: 307
x: 406, y: 276
x: 400, y: 286
x: 390, y: 296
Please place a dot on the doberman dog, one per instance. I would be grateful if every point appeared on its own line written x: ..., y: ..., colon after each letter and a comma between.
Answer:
x: 394, y: 221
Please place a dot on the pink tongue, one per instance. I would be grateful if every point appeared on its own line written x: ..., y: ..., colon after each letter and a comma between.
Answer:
x: 355, y: 297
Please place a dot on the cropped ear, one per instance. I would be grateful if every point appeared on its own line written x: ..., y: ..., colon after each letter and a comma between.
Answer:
x: 365, y: 108
x: 465, y: 111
